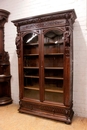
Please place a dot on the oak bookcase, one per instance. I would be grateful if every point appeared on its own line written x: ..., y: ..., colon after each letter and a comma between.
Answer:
x: 5, y: 76
x: 45, y: 58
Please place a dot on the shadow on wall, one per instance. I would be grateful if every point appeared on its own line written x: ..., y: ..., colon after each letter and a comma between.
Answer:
x: 80, y: 70
x: 14, y: 79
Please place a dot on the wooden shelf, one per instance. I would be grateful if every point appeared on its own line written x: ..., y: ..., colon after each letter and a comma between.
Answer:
x: 32, y: 88
x: 4, y: 64
x: 27, y: 76
x: 59, y: 78
x: 53, y: 43
x: 35, y: 87
x: 59, y: 54
x: 56, y: 91
x: 53, y: 88
x: 5, y: 100
x: 31, y: 67
x: 4, y: 78
x: 31, y: 54
x: 55, y: 68
x: 31, y: 44
x: 48, y: 90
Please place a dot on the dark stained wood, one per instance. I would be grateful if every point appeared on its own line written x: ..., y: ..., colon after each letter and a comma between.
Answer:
x: 45, y: 50
x: 5, y: 76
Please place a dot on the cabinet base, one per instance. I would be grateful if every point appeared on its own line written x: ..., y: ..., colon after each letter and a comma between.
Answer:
x: 59, y: 113
x: 5, y: 100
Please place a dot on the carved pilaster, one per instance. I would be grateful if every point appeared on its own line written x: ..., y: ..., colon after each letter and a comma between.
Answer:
x: 67, y: 41
x: 18, y: 44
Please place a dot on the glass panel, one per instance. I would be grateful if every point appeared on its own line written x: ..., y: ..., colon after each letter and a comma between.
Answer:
x: 31, y: 94
x: 54, y: 97
x: 31, y: 65
x: 53, y: 60
x: 53, y: 65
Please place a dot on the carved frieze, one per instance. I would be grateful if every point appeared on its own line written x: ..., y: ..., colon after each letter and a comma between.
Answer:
x: 42, y: 25
x: 45, y: 108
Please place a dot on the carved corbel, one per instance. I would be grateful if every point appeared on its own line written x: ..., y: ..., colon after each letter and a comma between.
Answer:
x: 67, y: 41
x: 67, y: 37
x: 18, y: 44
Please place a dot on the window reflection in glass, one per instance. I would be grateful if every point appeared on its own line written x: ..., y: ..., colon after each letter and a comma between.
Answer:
x: 30, y: 38
x: 53, y: 36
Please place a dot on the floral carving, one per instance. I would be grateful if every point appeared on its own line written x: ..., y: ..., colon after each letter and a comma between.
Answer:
x: 42, y: 25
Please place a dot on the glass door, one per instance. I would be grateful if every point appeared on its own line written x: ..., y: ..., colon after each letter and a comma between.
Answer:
x: 31, y: 65
x: 53, y: 66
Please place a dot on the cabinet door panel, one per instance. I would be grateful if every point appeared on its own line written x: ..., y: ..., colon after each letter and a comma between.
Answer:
x: 31, y: 65
x: 53, y: 65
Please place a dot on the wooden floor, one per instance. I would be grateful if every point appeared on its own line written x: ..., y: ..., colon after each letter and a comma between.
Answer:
x: 11, y: 119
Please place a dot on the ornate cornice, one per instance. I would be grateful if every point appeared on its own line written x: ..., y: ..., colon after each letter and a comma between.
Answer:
x: 68, y: 14
x: 3, y: 17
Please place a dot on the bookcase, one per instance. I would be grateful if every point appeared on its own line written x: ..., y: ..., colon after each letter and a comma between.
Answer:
x: 45, y: 59
x: 5, y: 76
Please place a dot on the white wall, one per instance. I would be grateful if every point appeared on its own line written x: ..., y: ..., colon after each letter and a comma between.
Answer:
x: 25, y: 8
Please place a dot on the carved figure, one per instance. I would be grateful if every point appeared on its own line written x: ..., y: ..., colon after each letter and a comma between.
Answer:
x: 67, y: 38
x: 17, y: 41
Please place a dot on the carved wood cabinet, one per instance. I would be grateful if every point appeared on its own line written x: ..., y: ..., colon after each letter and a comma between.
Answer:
x: 5, y: 76
x: 45, y: 58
